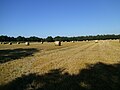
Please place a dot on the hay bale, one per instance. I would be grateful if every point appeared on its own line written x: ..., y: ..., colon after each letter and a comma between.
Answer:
x: 57, y: 43
x: 96, y: 41
x: 42, y: 42
x: 72, y: 41
x: 0, y: 42
x: 4, y: 42
x: 27, y: 43
x: 18, y: 42
x: 10, y: 43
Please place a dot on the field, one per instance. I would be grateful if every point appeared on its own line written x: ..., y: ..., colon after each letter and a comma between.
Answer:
x: 84, y: 65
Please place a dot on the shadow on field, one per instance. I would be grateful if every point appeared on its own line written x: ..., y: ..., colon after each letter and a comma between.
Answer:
x: 99, y: 76
x: 12, y: 54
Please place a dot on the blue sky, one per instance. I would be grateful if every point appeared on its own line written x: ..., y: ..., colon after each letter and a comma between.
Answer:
x: 44, y: 18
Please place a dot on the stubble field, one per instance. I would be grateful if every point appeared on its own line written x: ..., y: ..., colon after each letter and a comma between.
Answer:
x: 72, y: 66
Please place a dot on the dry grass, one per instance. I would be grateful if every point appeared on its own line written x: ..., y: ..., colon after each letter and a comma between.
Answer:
x: 72, y: 57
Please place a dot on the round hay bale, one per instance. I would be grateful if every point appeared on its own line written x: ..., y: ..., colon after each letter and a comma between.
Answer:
x: 4, y: 42
x: 27, y: 43
x: 10, y: 43
x: 96, y: 41
x: 18, y: 42
x: 42, y: 42
x: 57, y: 43
x: 0, y: 42
x: 72, y: 41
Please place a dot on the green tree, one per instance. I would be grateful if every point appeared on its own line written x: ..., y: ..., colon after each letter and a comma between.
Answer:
x: 49, y: 39
x: 20, y: 38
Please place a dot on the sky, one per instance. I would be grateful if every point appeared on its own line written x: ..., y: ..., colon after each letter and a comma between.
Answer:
x: 44, y: 18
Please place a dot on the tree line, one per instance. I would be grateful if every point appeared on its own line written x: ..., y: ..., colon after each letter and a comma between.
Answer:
x: 5, y: 38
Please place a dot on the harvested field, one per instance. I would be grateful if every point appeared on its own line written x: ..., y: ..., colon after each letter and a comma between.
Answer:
x: 74, y: 66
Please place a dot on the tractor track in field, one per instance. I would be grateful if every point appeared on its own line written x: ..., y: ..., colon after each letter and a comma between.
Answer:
x: 58, y: 61
x: 109, y: 52
x: 58, y: 50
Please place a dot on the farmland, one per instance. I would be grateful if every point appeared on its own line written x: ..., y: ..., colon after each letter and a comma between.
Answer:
x: 84, y: 65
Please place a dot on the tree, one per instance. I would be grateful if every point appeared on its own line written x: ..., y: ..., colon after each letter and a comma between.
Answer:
x: 20, y: 38
x: 33, y: 38
x: 4, y: 38
x: 49, y: 39
x: 58, y: 38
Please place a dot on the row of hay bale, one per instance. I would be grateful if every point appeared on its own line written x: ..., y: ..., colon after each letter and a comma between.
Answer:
x: 57, y: 43
x: 10, y: 43
x: 3, y: 43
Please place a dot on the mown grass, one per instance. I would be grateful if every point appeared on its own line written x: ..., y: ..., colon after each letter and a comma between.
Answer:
x: 12, y: 54
x: 97, y: 76
x: 72, y: 66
